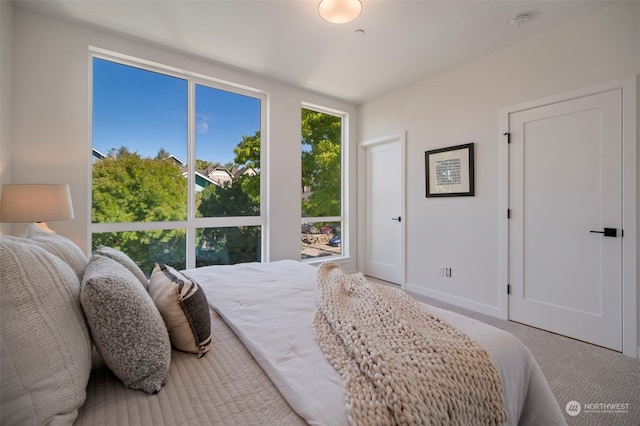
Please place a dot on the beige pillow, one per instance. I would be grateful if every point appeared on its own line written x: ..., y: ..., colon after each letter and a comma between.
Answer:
x: 127, y: 329
x: 184, y: 308
x: 45, y: 344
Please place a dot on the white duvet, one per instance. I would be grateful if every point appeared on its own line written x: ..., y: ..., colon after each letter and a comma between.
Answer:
x: 270, y: 306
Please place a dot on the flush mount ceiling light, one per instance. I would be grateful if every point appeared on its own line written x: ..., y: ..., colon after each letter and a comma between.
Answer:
x: 519, y: 21
x: 339, y: 11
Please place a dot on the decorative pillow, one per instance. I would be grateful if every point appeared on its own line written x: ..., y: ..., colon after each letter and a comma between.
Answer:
x: 60, y: 246
x: 125, y: 261
x: 44, y: 340
x: 126, y: 327
x: 184, y: 307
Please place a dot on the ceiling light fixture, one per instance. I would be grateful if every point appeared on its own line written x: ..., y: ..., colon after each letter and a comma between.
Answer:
x: 519, y: 21
x: 339, y: 11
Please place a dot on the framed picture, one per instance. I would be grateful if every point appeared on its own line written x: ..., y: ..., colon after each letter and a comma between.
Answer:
x: 449, y: 171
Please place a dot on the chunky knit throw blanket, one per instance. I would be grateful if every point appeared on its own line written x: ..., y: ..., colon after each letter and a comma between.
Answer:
x: 400, y: 364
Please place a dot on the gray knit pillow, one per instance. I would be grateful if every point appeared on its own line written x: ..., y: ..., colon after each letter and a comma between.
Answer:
x: 60, y: 246
x: 125, y: 261
x: 44, y: 341
x: 184, y: 307
x: 126, y: 327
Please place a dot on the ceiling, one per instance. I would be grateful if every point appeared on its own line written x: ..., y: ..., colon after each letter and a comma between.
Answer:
x: 286, y: 40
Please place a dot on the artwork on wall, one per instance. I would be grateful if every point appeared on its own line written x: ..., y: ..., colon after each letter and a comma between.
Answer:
x: 449, y: 171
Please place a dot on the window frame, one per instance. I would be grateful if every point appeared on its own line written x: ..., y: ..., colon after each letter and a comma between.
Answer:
x: 192, y: 223
x: 344, y: 189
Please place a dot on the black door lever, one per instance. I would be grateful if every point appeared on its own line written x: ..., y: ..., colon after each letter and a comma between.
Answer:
x: 608, y: 232
x: 399, y: 219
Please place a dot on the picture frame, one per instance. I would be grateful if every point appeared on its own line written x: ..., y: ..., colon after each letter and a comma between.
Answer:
x: 450, y: 171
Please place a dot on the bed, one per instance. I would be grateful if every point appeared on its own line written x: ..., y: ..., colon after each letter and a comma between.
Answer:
x: 270, y: 307
x: 281, y: 376
x: 264, y: 366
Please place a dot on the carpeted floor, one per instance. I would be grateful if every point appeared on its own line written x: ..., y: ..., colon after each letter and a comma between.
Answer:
x: 601, y: 380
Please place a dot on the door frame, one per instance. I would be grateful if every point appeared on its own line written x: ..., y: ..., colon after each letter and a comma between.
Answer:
x: 629, y: 201
x: 362, y: 201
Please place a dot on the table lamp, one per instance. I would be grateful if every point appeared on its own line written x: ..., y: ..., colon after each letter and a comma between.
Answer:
x: 23, y: 203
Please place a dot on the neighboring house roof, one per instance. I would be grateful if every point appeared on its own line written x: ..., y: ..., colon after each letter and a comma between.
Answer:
x: 215, y: 173
x: 177, y: 160
x: 203, y: 176
x: 97, y: 154
x: 236, y: 173
x: 201, y: 181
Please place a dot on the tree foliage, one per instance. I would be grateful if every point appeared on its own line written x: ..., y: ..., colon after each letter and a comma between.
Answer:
x: 129, y: 188
x: 225, y: 201
x: 248, y: 151
x: 202, y: 164
x: 321, y: 137
x: 162, y: 154
x: 241, y: 198
x: 248, y: 157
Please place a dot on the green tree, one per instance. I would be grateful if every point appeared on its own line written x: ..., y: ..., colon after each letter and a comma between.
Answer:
x: 162, y: 154
x: 248, y: 157
x: 224, y: 201
x: 129, y: 188
x: 248, y: 151
x: 202, y: 164
x: 241, y: 198
x: 230, y: 245
x: 321, y: 140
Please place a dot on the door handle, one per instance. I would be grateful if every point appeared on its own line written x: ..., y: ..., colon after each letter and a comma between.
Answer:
x: 399, y: 219
x: 608, y: 232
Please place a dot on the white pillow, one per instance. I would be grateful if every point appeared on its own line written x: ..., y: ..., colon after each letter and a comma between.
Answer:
x: 60, y: 246
x: 46, y: 349
x: 184, y: 308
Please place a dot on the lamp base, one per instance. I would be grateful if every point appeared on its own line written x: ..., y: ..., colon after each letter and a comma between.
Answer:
x: 44, y: 227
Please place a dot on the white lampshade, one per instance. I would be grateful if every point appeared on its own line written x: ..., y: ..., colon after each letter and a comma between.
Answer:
x: 35, y: 203
x: 339, y: 11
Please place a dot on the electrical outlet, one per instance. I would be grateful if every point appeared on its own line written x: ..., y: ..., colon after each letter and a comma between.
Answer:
x: 441, y: 271
x: 447, y: 272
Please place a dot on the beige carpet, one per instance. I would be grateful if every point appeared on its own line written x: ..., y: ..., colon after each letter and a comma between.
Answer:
x: 595, y: 377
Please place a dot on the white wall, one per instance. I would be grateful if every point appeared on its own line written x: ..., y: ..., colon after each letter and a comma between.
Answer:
x: 462, y: 105
x: 51, y: 120
x: 6, y: 39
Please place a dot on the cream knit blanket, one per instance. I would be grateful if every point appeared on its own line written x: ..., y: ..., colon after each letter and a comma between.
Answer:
x: 400, y: 364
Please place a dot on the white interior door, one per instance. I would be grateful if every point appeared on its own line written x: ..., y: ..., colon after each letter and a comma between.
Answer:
x: 385, y: 223
x: 565, y: 189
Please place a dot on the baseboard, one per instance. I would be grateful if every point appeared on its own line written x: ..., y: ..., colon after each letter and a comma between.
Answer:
x: 454, y: 300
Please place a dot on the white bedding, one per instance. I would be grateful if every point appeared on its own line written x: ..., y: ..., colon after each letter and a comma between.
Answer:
x: 270, y: 306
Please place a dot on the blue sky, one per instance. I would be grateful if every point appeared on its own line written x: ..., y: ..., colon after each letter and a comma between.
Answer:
x: 145, y: 111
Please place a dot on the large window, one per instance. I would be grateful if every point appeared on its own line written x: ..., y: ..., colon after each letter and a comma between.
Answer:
x: 322, y: 181
x: 176, y: 166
